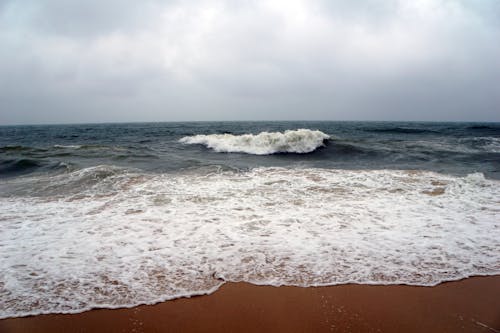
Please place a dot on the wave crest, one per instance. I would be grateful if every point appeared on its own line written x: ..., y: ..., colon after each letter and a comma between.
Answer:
x: 298, y: 141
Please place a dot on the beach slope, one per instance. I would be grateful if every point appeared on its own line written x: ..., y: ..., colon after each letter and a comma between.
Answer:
x: 470, y: 305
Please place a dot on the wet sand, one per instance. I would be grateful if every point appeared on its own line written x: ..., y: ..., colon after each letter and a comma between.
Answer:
x: 470, y: 305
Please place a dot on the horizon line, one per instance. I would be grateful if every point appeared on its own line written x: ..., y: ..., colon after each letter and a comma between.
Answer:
x: 245, y: 121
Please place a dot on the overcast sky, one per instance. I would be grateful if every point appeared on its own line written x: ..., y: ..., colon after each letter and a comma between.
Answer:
x: 65, y: 61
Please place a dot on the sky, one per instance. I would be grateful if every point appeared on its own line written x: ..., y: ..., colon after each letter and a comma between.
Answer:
x: 64, y: 61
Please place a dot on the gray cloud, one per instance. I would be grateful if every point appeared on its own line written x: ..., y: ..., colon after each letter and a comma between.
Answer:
x: 91, y: 61
x: 79, y: 19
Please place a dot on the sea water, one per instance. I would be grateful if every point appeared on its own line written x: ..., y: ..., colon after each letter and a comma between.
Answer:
x: 116, y: 215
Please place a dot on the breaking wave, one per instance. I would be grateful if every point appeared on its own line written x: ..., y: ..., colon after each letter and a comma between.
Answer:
x: 299, y: 141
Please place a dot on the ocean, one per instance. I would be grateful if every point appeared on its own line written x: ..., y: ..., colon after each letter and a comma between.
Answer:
x: 117, y: 215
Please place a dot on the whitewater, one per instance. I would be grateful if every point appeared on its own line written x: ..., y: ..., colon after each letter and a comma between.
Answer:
x: 299, y: 141
x: 108, y: 237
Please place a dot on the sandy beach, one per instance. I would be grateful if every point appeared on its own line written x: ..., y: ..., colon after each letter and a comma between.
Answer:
x: 470, y: 305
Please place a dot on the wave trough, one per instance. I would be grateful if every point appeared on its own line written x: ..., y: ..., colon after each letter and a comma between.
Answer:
x: 299, y: 141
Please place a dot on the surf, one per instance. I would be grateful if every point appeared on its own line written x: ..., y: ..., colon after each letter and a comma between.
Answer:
x: 300, y: 141
x: 112, y: 237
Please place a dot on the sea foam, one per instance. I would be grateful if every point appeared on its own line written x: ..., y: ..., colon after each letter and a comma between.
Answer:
x: 127, y: 238
x: 292, y: 141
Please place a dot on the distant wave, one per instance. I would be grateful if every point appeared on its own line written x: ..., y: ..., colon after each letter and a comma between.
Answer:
x: 15, y: 149
x: 485, y: 130
x: 400, y: 130
x: 13, y: 166
x: 483, y: 127
x: 21, y: 166
x: 44, y: 149
x: 68, y: 146
x: 299, y: 141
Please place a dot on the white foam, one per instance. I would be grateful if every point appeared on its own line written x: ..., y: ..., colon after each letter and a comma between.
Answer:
x: 68, y: 146
x: 293, y: 141
x: 129, y: 238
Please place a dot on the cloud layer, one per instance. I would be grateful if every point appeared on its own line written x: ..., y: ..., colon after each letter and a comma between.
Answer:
x: 64, y: 61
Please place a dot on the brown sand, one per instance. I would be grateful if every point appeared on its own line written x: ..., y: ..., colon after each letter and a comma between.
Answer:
x: 471, y: 305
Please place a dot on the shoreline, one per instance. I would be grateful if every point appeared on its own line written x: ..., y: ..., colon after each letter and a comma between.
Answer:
x: 469, y: 305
